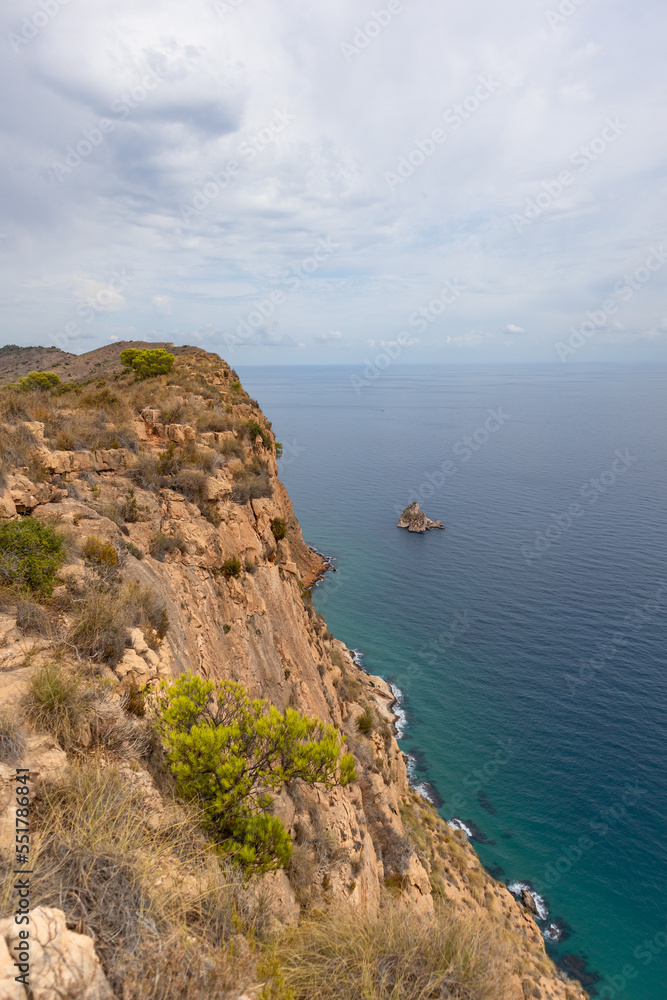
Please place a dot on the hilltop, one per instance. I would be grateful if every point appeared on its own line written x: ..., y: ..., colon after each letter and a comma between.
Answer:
x: 15, y: 362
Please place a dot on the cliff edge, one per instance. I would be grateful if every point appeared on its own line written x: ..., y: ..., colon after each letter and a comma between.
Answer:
x: 182, y: 554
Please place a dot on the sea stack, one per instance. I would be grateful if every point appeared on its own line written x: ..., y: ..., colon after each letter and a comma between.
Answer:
x: 414, y: 519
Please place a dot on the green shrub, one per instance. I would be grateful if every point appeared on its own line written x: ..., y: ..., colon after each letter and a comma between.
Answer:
x: 31, y: 553
x: 255, y: 430
x: 147, y: 363
x: 133, y: 550
x: 365, y: 722
x: 41, y: 381
x: 229, y: 752
x: 279, y: 528
x: 101, y: 555
x: 279, y: 450
x: 231, y: 567
x: 129, y: 510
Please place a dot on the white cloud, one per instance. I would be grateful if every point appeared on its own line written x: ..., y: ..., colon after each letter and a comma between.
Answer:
x: 327, y: 338
x: 99, y: 296
x: 239, y: 143
x: 512, y: 328
x: 162, y: 305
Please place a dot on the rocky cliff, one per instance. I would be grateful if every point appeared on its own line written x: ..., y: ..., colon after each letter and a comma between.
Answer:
x: 177, y: 476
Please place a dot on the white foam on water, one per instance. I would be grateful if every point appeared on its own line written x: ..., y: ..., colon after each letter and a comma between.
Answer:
x: 457, y: 824
x: 516, y: 888
x: 401, y: 722
x: 552, y: 932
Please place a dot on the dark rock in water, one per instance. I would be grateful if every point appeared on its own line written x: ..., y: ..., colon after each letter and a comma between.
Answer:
x: 557, y: 931
x: 413, y: 519
x: 496, y: 872
x: 577, y: 966
x: 528, y: 901
x: 485, y: 804
x: 474, y: 832
x: 507, y: 835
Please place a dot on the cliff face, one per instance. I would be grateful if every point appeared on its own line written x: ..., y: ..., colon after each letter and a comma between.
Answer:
x: 176, y: 535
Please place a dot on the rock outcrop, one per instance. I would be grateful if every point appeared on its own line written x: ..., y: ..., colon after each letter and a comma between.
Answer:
x: 61, y: 963
x: 414, y: 519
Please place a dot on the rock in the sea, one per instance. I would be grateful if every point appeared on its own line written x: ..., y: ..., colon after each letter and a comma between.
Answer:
x: 414, y: 519
x: 528, y: 901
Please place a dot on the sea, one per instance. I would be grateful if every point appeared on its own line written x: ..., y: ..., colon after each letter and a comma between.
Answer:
x: 527, y: 641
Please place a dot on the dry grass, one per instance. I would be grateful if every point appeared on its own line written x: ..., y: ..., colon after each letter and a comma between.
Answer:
x: 12, y: 738
x: 17, y: 445
x: 101, y: 615
x: 251, y: 482
x: 99, y: 624
x: 59, y: 702
x: 396, y: 954
x: 160, y: 905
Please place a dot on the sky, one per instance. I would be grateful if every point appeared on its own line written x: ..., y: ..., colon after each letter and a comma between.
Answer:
x: 334, y: 183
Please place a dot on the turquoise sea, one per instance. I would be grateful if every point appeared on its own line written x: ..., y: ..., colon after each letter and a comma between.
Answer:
x: 527, y: 640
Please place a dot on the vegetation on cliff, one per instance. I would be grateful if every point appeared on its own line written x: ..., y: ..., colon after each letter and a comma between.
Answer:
x: 229, y: 752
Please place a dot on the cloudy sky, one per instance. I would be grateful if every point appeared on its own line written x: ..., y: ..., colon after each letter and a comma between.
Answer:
x: 300, y: 182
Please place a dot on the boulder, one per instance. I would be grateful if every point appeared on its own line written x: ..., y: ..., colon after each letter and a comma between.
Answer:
x: 133, y: 667
x: 62, y: 963
x: 528, y: 901
x: 27, y: 495
x: 7, y: 505
x: 414, y: 519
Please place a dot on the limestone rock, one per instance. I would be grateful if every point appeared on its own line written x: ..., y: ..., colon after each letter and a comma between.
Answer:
x: 27, y: 495
x: 528, y: 901
x: 134, y: 667
x: 62, y: 963
x: 7, y: 505
x: 414, y: 519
